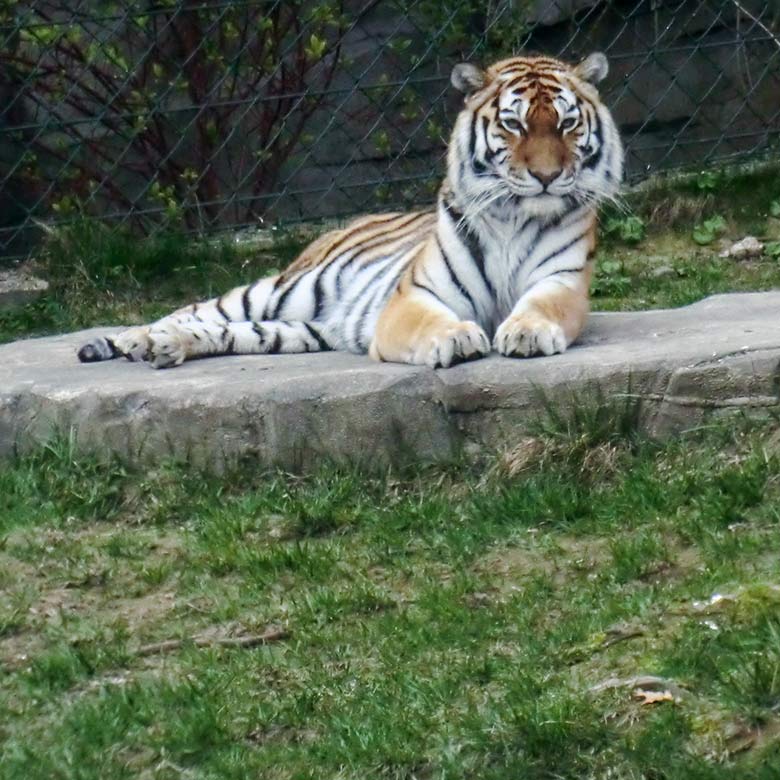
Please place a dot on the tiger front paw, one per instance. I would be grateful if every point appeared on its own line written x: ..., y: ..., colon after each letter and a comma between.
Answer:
x: 454, y: 343
x: 528, y: 334
x: 167, y: 346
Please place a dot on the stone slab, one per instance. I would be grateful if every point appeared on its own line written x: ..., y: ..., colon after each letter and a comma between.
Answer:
x: 717, y: 356
x: 18, y: 288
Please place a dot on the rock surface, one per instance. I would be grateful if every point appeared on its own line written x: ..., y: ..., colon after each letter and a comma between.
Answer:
x: 18, y: 288
x: 719, y: 355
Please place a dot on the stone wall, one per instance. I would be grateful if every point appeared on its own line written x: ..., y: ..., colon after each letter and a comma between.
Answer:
x: 690, y: 83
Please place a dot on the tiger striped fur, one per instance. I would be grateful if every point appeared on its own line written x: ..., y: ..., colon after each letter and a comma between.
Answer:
x: 504, y: 261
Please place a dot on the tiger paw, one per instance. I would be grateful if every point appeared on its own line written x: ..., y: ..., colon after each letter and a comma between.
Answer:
x: 166, y: 346
x: 133, y: 343
x: 453, y: 344
x: 525, y: 335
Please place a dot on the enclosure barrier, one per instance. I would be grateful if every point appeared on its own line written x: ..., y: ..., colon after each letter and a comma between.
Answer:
x: 212, y: 116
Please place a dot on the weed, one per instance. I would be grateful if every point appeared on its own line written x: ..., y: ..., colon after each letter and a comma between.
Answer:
x: 709, y: 230
x: 629, y: 229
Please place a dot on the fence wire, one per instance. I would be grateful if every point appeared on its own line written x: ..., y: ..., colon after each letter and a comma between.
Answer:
x: 212, y: 116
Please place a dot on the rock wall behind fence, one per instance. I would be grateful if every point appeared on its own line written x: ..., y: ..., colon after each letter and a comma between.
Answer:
x: 690, y: 83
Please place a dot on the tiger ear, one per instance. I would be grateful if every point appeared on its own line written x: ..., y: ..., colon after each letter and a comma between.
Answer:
x: 593, y: 68
x: 468, y: 78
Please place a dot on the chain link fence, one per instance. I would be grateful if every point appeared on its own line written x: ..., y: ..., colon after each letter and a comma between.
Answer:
x: 211, y: 116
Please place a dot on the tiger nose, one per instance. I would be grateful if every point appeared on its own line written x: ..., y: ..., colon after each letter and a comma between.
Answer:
x: 546, y: 178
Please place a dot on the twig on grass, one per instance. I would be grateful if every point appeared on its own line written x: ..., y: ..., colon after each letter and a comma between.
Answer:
x: 640, y: 681
x: 621, y: 635
x: 272, y: 635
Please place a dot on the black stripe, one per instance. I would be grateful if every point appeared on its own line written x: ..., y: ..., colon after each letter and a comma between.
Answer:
x: 111, y: 346
x: 282, y: 298
x: 246, y: 302
x: 276, y: 342
x: 473, y: 139
x: 374, y: 281
x: 559, y: 251
x: 221, y: 309
x: 576, y: 270
x: 319, y: 294
x: 376, y: 238
x: 425, y: 287
x: 321, y: 343
x: 542, y: 232
x: 260, y: 331
x: 489, y: 153
x: 455, y: 278
x: 375, y: 241
x: 468, y: 237
x: 477, y: 165
x: 597, y: 132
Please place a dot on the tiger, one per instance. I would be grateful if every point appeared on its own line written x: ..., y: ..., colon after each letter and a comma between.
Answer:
x: 502, y: 263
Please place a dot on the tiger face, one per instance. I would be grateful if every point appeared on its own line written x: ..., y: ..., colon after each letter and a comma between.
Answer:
x: 535, y: 129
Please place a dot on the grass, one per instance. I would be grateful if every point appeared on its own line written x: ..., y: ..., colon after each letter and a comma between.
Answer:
x: 450, y: 623
x: 664, y: 251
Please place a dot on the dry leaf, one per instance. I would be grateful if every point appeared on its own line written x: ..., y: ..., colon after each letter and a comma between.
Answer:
x: 653, y: 697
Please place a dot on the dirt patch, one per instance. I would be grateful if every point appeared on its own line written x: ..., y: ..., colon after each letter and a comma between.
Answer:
x: 570, y: 556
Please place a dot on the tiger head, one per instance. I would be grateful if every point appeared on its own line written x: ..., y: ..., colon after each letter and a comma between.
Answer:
x: 533, y: 130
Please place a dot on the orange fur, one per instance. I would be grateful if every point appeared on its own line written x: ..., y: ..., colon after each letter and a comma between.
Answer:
x: 409, y: 330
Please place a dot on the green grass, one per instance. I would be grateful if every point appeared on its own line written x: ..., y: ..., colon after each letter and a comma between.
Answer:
x: 103, y: 277
x: 663, y: 231
x: 100, y: 276
x: 448, y: 623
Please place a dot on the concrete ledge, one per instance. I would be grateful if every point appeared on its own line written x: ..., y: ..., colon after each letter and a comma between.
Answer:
x: 717, y: 356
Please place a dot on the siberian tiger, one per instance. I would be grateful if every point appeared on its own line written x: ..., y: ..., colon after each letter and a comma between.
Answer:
x: 505, y: 259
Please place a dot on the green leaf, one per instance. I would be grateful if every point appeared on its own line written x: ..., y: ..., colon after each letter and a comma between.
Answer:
x: 381, y: 141
x: 706, y: 232
x: 608, y: 267
x: 316, y: 47
x: 774, y: 208
x: 772, y: 249
x: 629, y: 229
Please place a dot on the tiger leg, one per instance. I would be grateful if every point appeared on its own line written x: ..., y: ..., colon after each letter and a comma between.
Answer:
x: 415, y: 327
x: 547, y: 318
x: 172, y: 342
x: 242, y: 304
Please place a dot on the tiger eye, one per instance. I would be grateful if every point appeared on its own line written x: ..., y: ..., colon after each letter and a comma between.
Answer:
x: 512, y: 125
x: 568, y: 123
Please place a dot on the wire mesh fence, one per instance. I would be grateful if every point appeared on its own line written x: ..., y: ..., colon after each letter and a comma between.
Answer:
x: 210, y: 116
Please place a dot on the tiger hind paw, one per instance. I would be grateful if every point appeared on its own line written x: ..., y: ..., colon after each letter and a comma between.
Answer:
x: 167, y: 347
x: 132, y: 344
